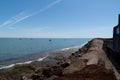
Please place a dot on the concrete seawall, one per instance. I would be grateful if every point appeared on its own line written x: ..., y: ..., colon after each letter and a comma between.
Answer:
x: 97, y: 53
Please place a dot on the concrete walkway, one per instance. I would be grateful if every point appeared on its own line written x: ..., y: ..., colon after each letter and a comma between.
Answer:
x: 96, y: 53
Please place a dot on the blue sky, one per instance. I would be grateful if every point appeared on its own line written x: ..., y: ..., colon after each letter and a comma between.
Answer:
x: 58, y: 18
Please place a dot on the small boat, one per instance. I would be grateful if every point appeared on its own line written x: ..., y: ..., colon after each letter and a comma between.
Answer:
x: 50, y: 40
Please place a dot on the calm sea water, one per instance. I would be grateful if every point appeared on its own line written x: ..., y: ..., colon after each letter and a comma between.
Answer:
x: 11, y: 48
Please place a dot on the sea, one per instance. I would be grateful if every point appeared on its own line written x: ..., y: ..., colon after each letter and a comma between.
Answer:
x: 14, y: 50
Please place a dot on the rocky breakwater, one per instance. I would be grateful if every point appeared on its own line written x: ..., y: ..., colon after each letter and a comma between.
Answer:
x: 88, y: 63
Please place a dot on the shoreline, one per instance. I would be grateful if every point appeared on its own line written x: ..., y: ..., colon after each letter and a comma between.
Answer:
x: 36, y: 57
x: 88, y: 62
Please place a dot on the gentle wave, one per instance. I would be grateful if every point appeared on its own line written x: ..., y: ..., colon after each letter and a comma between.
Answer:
x: 40, y: 59
x: 6, y: 67
x: 27, y: 62
x: 64, y: 49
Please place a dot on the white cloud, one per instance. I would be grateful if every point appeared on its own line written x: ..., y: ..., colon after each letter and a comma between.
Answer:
x: 22, y: 15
